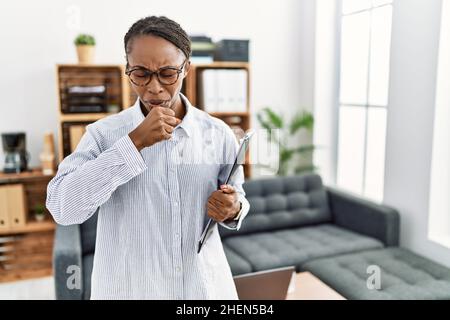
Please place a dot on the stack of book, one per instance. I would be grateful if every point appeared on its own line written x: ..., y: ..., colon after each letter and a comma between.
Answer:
x: 202, y: 49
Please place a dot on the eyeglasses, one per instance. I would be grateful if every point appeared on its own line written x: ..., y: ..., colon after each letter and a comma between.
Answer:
x: 141, y: 76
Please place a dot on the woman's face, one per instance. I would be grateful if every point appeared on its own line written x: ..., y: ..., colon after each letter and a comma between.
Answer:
x: 152, y: 52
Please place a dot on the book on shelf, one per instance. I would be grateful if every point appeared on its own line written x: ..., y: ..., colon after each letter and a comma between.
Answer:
x: 208, y: 90
x: 202, y: 49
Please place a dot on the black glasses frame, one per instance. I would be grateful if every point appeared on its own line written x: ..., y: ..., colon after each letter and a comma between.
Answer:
x: 150, y: 74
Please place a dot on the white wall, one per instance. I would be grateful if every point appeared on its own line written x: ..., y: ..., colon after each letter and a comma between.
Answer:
x: 414, y: 53
x: 326, y: 89
x: 36, y: 35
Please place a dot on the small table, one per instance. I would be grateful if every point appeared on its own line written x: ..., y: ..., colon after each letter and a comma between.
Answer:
x: 309, y: 287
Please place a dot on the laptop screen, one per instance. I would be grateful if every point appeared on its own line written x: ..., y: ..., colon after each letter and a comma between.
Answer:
x: 270, y: 284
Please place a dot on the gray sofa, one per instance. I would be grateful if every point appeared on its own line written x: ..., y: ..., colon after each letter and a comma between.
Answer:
x: 295, y: 221
x: 403, y: 275
x: 74, y: 246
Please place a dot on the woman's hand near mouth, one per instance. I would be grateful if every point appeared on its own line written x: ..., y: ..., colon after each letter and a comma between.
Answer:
x: 158, y: 125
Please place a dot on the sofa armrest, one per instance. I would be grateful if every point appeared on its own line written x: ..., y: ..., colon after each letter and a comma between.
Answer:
x: 365, y: 217
x: 66, y: 253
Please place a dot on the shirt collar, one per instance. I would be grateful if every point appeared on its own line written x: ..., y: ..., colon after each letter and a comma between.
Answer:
x: 187, y: 124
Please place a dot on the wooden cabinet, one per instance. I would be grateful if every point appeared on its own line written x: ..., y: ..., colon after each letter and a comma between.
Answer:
x: 74, y: 80
x: 25, y: 244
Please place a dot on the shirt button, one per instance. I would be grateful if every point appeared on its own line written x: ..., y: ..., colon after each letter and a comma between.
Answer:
x: 175, y: 203
x: 177, y: 269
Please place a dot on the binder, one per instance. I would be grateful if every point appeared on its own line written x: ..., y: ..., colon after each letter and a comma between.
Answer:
x: 209, y: 90
x: 16, y: 205
x: 4, y: 217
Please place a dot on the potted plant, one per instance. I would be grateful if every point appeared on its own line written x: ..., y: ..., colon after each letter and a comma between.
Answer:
x: 39, y: 212
x: 270, y: 120
x: 85, y: 44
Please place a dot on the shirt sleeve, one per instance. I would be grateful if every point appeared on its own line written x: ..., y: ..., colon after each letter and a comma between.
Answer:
x: 87, y: 178
x: 230, y: 152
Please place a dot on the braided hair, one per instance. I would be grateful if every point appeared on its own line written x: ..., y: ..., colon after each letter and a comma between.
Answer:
x: 162, y: 27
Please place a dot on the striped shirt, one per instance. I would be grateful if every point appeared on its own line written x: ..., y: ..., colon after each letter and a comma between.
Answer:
x: 152, y: 206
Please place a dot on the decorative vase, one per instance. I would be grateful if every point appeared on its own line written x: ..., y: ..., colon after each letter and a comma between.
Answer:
x: 85, y: 53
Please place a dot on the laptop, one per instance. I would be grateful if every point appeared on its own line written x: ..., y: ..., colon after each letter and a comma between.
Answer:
x: 270, y: 284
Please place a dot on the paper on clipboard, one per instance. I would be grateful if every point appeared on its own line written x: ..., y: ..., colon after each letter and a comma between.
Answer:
x: 239, y: 160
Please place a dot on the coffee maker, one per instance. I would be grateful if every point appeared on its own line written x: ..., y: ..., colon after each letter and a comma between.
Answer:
x: 16, y: 155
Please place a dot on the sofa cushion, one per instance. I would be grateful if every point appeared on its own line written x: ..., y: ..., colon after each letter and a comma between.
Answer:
x: 237, y: 263
x: 403, y: 275
x: 296, y: 246
x: 88, y: 231
x: 283, y: 202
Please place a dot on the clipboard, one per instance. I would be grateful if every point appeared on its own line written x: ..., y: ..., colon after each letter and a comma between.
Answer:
x: 239, y: 160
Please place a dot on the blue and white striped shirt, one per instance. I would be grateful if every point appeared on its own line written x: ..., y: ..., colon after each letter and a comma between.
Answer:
x: 152, y: 206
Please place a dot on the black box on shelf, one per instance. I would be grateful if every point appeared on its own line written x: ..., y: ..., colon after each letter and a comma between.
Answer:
x: 231, y: 50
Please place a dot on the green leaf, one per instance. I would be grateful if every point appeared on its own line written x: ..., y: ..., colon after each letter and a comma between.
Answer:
x: 282, y: 169
x: 286, y: 154
x: 305, y: 169
x: 275, y: 120
x: 266, y: 126
x: 269, y: 121
x: 263, y: 123
x: 307, y: 148
x: 39, y: 208
x: 84, y: 39
x: 303, y: 120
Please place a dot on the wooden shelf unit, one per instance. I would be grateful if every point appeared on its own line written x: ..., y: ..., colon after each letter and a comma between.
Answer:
x: 71, y: 125
x: 25, y: 247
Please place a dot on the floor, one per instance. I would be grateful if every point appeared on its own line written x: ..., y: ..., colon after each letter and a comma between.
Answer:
x: 35, y: 289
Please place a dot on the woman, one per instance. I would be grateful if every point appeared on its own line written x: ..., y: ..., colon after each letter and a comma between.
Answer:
x: 149, y: 170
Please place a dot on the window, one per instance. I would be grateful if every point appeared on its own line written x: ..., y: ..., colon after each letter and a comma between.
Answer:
x: 363, y: 95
